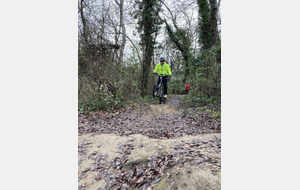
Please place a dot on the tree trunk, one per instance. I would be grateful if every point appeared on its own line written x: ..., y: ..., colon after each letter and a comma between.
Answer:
x: 123, y: 31
x: 148, y: 28
x: 204, y: 24
x: 83, y: 22
x: 214, y: 22
x: 147, y: 61
x: 122, y: 25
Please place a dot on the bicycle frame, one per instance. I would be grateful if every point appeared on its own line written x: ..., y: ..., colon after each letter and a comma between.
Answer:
x: 158, y: 86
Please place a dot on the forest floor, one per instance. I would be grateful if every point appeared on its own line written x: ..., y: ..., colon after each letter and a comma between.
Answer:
x: 149, y: 147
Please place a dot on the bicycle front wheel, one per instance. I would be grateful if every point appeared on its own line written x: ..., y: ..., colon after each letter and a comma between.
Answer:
x: 162, y: 91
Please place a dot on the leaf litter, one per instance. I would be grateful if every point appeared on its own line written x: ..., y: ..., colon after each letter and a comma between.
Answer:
x: 163, y: 126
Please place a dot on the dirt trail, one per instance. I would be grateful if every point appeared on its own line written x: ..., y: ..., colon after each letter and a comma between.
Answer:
x: 174, y: 101
x: 198, y: 157
x: 171, y: 107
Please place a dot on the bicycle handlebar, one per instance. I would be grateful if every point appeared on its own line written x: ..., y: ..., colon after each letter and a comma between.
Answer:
x: 161, y: 75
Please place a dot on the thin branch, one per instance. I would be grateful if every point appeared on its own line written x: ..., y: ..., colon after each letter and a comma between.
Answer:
x: 173, y: 19
x: 135, y: 48
x: 117, y: 3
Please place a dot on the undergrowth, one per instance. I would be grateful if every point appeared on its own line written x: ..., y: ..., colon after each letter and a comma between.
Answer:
x: 208, y: 104
x: 109, y: 103
x: 101, y: 102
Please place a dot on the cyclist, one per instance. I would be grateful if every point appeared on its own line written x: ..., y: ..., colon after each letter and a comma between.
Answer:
x: 163, y: 69
x: 187, y: 87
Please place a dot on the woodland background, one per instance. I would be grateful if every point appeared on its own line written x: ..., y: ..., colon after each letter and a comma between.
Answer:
x: 120, y: 42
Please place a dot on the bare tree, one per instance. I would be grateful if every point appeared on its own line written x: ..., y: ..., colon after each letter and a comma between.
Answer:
x: 80, y: 7
x: 121, y: 6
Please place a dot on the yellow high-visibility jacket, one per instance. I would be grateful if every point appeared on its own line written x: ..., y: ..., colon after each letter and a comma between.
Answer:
x: 162, y: 69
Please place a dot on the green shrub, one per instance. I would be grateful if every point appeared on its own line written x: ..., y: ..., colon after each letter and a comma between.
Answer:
x: 101, y: 101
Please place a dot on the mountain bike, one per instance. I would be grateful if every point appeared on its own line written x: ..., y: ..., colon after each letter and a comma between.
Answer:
x: 160, y: 92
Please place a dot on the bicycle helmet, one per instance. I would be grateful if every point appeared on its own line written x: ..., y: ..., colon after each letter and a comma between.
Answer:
x: 162, y: 59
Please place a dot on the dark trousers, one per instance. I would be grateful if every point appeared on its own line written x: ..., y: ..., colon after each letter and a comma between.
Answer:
x: 164, y: 81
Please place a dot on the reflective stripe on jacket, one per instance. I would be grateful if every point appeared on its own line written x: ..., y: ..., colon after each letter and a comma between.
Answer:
x: 162, y: 69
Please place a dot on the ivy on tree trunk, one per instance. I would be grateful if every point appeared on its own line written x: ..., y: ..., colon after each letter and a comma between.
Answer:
x: 148, y: 26
x: 204, y: 23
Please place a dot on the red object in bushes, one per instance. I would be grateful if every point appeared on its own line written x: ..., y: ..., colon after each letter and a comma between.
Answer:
x: 187, y: 87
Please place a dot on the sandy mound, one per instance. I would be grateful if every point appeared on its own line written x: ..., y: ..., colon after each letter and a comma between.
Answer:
x: 181, y: 176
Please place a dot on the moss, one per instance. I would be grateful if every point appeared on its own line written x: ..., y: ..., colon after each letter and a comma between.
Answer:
x: 144, y: 157
x: 129, y: 164
x: 162, y: 185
